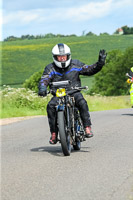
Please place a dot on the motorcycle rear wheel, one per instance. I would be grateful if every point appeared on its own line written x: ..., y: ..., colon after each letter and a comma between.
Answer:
x: 77, y: 146
x: 64, y: 137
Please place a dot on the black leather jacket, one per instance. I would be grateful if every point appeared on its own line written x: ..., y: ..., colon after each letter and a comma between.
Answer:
x: 52, y: 73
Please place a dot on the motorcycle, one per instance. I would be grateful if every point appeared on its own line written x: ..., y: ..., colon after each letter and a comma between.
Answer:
x: 69, y: 124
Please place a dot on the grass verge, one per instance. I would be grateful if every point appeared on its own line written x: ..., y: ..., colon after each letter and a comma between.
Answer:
x: 99, y: 103
x: 21, y: 102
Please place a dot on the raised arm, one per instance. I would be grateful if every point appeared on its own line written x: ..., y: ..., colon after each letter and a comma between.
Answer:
x: 94, y: 68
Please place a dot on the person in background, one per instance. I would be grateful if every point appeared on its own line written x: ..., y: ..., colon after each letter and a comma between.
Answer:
x: 130, y: 81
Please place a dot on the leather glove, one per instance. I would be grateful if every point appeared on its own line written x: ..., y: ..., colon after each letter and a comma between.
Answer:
x: 102, y: 56
x: 42, y: 90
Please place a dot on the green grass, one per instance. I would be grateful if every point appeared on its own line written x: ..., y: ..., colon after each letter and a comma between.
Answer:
x: 99, y: 103
x: 20, y: 59
x: 10, y: 112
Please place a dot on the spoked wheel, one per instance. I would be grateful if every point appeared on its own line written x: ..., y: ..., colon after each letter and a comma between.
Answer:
x: 64, y: 136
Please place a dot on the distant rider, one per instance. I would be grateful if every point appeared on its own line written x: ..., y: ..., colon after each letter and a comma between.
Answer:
x: 64, y: 68
x: 130, y: 81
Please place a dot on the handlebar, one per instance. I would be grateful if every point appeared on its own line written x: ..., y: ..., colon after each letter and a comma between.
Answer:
x: 128, y: 75
x: 80, y: 88
x: 72, y: 89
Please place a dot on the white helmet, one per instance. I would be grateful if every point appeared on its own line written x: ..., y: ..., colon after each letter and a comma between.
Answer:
x: 58, y: 50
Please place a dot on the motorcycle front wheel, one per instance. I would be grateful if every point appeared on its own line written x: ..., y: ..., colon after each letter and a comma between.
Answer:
x: 64, y: 136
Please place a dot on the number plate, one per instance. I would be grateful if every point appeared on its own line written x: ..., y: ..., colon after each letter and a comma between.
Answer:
x: 61, y: 92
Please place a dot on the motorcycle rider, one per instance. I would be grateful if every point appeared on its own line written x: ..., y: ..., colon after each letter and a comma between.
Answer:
x: 130, y: 81
x: 64, y: 68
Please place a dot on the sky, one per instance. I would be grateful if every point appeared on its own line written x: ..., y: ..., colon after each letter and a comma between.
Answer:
x: 39, y: 17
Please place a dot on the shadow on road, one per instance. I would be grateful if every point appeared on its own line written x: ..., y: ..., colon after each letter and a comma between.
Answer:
x: 56, y: 150
x: 128, y: 114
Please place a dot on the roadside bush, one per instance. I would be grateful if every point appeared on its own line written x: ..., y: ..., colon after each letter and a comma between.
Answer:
x: 32, y: 82
x: 22, y: 97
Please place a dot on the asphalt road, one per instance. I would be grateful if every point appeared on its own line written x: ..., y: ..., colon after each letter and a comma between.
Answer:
x: 32, y: 169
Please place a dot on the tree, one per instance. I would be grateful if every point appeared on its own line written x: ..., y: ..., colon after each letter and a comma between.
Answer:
x: 23, y: 37
x: 90, y: 34
x: 60, y: 35
x: 111, y: 80
x: 11, y: 38
x: 126, y: 30
x: 72, y: 35
x: 49, y: 35
x: 104, y: 33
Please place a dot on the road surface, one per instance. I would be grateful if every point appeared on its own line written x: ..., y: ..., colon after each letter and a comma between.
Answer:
x: 32, y: 169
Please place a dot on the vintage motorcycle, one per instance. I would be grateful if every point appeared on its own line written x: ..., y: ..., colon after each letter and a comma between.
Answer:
x: 69, y: 124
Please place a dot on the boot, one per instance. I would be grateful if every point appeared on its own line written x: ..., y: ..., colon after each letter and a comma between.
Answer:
x: 53, y: 138
x: 88, y: 132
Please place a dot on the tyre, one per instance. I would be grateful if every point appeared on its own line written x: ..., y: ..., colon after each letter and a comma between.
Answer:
x: 64, y: 137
